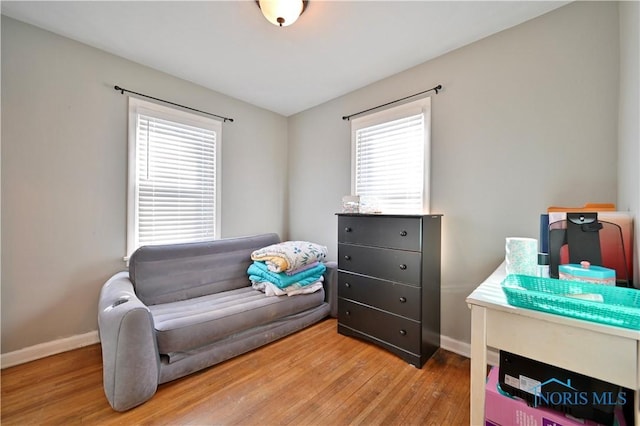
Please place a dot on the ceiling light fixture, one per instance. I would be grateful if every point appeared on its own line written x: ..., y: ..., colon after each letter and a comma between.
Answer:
x: 282, y: 12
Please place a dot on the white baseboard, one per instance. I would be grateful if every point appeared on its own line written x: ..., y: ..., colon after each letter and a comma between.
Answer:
x: 464, y: 349
x: 42, y: 350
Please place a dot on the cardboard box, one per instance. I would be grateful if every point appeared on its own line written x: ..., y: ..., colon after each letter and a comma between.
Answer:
x: 502, y: 410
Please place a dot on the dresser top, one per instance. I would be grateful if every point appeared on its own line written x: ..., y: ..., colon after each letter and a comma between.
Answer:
x: 388, y: 215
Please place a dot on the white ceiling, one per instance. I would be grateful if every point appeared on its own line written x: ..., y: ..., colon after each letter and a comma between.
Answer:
x: 334, y: 48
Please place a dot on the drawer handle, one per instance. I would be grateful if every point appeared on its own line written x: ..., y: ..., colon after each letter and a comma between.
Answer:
x: 347, y: 229
x: 403, y: 266
x: 347, y: 257
x: 348, y: 313
x: 347, y: 285
x: 403, y: 300
x: 403, y: 332
x: 403, y: 233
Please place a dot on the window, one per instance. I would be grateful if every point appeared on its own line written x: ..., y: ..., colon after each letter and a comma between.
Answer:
x: 390, y: 158
x: 174, y: 176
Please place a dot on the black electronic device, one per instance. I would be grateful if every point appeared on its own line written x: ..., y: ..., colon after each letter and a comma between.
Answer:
x: 583, y: 237
x: 541, y: 384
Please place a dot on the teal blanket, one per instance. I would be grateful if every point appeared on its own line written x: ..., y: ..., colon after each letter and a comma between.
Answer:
x: 259, y: 272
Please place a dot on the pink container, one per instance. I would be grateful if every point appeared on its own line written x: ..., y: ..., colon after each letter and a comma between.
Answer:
x: 501, y: 410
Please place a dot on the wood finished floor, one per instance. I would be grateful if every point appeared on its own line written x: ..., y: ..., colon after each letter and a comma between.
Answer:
x: 314, y: 377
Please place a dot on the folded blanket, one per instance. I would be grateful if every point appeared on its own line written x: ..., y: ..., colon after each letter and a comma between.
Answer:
x: 302, y: 268
x: 258, y: 271
x: 289, y: 255
x: 270, y: 289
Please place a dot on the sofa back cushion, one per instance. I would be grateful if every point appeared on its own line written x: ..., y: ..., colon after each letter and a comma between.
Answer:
x: 172, y: 272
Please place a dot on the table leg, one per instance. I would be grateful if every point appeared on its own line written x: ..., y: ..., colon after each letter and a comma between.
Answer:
x: 636, y: 398
x: 478, y: 364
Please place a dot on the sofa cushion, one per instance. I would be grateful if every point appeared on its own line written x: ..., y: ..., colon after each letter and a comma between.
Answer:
x: 188, y: 324
x: 172, y: 272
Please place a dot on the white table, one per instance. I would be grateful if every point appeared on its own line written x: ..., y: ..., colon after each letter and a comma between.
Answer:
x: 605, y: 352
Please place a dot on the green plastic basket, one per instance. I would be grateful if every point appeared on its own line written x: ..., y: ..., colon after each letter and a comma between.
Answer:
x: 619, y: 307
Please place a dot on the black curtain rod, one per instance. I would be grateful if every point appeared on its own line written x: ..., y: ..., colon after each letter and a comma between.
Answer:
x: 122, y: 90
x: 436, y: 89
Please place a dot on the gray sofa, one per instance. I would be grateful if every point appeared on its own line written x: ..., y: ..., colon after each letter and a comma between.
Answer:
x: 183, y: 307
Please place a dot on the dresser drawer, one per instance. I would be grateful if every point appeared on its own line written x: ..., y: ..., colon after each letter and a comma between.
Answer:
x: 398, y: 331
x: 399, y: 299
x: 388, y: 264
x: 391, y: 232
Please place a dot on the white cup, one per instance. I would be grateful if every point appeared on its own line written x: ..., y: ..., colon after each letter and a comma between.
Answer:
x: 521, y: 256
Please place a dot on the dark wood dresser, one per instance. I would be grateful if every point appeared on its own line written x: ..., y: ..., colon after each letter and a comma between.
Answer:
x: 389, y: 282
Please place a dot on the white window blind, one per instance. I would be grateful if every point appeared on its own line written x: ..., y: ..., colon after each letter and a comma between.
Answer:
x: 389, y: 160
x: 173, y: 182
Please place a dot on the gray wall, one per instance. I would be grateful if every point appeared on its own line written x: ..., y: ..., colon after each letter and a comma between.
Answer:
x: 527, y: 119
x: 629, y: 123
x: 64, y: 150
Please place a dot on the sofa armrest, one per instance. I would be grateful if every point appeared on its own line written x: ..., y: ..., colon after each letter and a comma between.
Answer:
x: 331, y: 287
x: 131, y: 364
